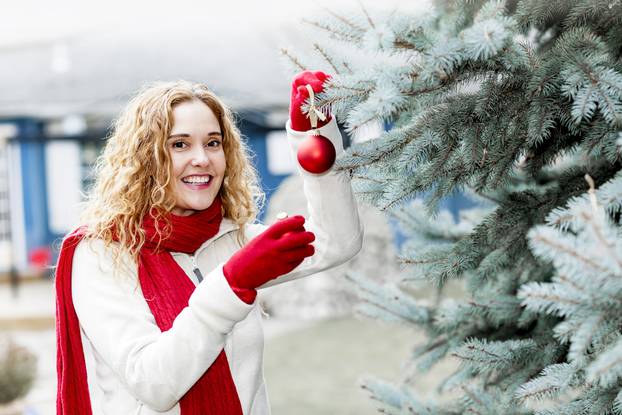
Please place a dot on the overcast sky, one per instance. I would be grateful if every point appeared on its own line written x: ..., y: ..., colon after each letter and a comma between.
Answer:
x: 32, y: 21
x: 69, y: 56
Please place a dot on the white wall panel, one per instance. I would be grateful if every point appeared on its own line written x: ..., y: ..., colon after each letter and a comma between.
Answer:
x: 63, y: 179
x: 279, y: 157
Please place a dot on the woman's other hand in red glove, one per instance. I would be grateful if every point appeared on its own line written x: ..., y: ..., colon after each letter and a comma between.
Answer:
x: 275, y: 252
x: 300, y: 93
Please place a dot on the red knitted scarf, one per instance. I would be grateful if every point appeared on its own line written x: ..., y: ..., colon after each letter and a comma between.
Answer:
x: 168, y: 289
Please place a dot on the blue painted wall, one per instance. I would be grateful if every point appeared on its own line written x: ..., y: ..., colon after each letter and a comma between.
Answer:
x: 31, y: 143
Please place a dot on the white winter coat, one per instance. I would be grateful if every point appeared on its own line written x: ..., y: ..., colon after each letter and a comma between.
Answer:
x: 134, y: 368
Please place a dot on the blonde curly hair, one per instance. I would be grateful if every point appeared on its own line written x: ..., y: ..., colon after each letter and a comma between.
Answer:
x: 133, y: 173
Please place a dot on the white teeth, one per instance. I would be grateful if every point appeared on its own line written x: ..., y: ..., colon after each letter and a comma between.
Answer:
x: 196, y: 179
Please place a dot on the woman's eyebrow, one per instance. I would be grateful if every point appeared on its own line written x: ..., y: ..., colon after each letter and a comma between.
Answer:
x: 186, y: 135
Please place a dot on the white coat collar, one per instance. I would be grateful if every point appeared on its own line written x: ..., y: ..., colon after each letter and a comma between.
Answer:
x: 226, y: 225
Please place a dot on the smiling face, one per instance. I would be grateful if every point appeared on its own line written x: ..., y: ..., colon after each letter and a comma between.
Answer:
x: 197, y: 157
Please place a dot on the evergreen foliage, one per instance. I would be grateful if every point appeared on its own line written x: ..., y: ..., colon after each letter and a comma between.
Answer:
x: 518, y: 104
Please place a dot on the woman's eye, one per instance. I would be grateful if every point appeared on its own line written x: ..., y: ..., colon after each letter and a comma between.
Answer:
x: 214, y: 143
x: 179, y: 144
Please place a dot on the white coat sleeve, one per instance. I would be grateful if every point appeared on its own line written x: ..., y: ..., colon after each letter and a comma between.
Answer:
x: 333, y: 212
x: 157, y: 367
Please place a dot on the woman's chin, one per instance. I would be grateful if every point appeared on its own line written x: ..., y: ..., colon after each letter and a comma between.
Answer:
x: 190, y: 209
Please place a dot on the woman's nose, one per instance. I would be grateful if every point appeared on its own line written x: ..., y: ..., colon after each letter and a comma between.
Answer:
x: 200, y: 158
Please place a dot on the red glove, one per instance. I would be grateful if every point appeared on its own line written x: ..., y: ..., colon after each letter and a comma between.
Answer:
x: 276, y: 251
x: 300, y: 93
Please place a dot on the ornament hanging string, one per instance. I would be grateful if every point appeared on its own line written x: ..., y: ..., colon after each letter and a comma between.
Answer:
x: 314, y: 113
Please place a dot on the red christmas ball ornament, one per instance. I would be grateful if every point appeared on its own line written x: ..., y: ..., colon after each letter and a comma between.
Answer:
x: 316, y: 154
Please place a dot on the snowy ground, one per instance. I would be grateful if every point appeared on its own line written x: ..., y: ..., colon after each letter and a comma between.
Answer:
x: 316, y: 370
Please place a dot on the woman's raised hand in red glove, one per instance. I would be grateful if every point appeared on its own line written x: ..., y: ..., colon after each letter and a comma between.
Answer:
x: 300, y: 93
x: 275, y: 252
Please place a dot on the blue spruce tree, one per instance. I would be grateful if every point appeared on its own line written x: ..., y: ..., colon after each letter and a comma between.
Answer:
x: 518, y: 104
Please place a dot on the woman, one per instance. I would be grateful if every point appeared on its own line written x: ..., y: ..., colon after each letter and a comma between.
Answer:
x: 156, y: 309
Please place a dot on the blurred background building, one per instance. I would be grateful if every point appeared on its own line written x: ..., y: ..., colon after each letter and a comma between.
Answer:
x: 66, y: 70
